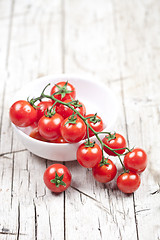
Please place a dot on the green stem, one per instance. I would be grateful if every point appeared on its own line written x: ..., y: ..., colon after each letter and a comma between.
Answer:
x: 124, y: 169
x: 88, y: 134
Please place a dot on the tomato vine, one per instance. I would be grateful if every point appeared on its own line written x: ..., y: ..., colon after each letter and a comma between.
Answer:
x: 72, y: 118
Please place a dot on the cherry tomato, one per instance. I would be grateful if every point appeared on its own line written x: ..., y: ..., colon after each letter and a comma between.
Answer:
x: 22, y: 114
x: 42, y: 107
x: 128, y: 182
x: 96, y: 123
x: 49, y: 127
x: 34, y: 125
x: 57, y: 178
x: 73, y: 132
x: 136, y: 160
x: 89, y: 156
x: 117, y: 142
x: 59, y: 140
x: 104, y: 172
x: 65, y: 111
x: 36, y: 135
x: 66, y: 91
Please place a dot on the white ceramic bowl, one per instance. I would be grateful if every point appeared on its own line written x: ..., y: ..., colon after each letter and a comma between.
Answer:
x: 96, y: 97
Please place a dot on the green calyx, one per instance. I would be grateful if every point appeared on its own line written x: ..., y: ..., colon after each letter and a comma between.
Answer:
x: 32, y: 102
x: 89, y: 144
x: 94, y: 119
x: 58, y: 180
x: 124, y: 171
x: 62, y: 90
x: 50, y: 112
x: 111, y: 136
x: 72, y: 119
x: 75, y: 103
x: 104, y: 162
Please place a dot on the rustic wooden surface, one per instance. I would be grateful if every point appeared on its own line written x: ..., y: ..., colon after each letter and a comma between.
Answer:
x: 118, y: 43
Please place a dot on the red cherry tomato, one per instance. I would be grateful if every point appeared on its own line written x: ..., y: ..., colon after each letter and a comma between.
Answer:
x: 118, y: 142
x: 128, y: 182
x: 34, y: 125
x: 49, y: 127
x: 59, y: 140
x: 88, y: 157
x: 67, y: 91
x: 57, y: 178
x: 73, y: 132
x: 104, y: 173
x: 36, y: 135
x: 96, y: 125
x: 22, y: 114
x: 65, y: 111
x: 136, y: 160
x: 42, y: 107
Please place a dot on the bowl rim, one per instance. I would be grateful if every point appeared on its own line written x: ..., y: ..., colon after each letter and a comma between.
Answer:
x: 63, y: 76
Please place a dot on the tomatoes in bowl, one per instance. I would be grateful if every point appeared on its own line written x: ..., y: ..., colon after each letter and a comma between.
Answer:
x: 42, y: 107
x: 36, y: 135
x: 49, y: 127
x: 22, y: 114
x: 73, y: 131
x: 66, y: 91
x: 95, y: 122
x: 65, y: 111
x: 65, y: 152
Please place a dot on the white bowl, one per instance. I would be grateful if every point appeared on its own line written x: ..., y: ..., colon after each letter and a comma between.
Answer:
x: 96, y: 97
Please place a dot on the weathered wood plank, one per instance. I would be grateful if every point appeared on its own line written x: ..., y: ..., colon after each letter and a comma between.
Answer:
x: 116, y: 42
x: 139, y: 58
x: 104, y: 205
x: 34, y: 50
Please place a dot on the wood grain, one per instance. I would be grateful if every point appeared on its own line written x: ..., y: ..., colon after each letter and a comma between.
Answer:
x: 115, y: 42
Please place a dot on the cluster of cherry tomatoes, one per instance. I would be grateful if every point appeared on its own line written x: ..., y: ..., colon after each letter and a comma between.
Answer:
x: 62, y: 119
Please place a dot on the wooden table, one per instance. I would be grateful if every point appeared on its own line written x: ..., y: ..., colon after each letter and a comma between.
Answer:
x: 118, y: 43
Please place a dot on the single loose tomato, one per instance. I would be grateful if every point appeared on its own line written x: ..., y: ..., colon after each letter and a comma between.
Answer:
x: 73, y: 129
x: 59, y: 140
x: 88, y: 155
x: 57, y: 178
x: 95, y: 122
x: 42, y: 107
x: 128, y: 182
x: 23, y: 114
x: 65, y: 111
x: 136, y: 160
x: 49, y: 127
x: 105, y: 171
x: 66, y: 91
x: 36, y: 135
x: 115, y: 141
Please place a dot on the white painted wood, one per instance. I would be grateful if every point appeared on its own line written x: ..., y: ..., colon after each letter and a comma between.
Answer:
x: 95, y: 26
x: 118, y: 43
x: 32, y: 51
x: 139, y: 42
